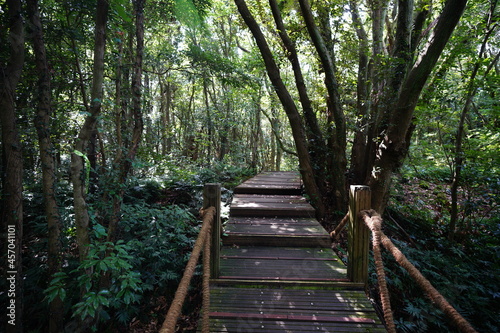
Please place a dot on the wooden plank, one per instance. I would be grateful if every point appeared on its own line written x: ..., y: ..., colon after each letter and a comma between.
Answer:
x: 242, y: 239
x: 291, y: 310
x: 272, y: 210
x: 256, y: 220
x: 289, y: 176
x: 241, y: 325
x: 302, y: 300
x: 268, y: 198
x: 324, y: 285
x: 267, y: 189
x: 278, y: 258
x: 286, y: 269
x: 272, y: 183
x: 302, y: 318
x: 284, y: 252
x: 270, y: 206
x: 276, y: 229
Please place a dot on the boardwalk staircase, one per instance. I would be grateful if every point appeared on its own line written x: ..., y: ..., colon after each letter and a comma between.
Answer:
x: 277, y: 270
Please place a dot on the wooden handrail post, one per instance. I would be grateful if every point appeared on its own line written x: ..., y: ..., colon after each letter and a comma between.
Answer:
x: 212, y: 198
x: 358, y: 234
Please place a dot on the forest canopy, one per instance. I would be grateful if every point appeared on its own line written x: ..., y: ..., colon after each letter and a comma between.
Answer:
x: 114, y: 113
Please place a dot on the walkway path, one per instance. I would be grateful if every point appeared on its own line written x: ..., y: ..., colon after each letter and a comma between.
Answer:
x: 278, y: 273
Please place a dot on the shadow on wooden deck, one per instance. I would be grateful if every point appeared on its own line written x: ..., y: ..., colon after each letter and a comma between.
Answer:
x: 277, y: 270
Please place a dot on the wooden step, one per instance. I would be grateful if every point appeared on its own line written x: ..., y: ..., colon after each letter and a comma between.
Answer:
x: 288, y: 310
x: 293, y: 284
x: 265, y: 231
x: 270, y: 205
x: 286, y: 183
x: 284, y: 264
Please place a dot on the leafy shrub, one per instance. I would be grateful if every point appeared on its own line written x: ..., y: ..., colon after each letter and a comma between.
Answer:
x: 105, y: 260
x: 163, y: 240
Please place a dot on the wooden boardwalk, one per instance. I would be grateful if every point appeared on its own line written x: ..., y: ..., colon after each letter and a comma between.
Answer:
x: 278, y: 272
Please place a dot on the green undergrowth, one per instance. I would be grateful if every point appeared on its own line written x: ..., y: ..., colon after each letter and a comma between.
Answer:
x: 158, y: 227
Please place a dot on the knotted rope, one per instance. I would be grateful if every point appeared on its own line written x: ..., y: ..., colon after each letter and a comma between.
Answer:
x: 180, y: 295
x: 374, y: 223
x: 205, y: 323
x: 431, y: 292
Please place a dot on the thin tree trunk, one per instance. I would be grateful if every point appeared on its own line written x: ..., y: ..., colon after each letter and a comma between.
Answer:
x: 289, y: 106
x: 338, y: 140
x: 119, y: 109
x: 459, y: 154
x: 82, y: 219
x: 12, y: 196
x: 126, y: 163
x: 378, y: 12
x: 165, y: 117
x: 313, y: 132
x: 357, y: 174
x: 47, y: 158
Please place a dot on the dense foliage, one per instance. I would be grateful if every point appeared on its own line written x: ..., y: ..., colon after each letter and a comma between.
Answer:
x: 115, y: 113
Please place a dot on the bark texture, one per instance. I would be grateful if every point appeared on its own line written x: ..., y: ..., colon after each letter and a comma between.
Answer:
x: 338, y: 135
x: 47, y: 158
x: 78, y: 175
x: 393, y: 148
x: 12, y: 210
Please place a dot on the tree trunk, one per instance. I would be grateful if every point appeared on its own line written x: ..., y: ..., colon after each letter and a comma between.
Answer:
x: 126, y: 163
x: 82, y: 219
x: 338, y: 139
x: 12, y: 196
x: 459, y: 154
x: 317, y: 147
x: 286, y: 99
x: 47, y: 158
x: 358, y: 152
x: 394, y: 147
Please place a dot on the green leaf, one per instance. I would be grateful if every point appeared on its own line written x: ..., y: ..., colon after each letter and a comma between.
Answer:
x: 102, y: 266
x: 119, y: 8
x: 99, y: 231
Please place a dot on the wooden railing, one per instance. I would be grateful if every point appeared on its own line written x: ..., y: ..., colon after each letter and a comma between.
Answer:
x: 209, y: 241
x: 362, y: 220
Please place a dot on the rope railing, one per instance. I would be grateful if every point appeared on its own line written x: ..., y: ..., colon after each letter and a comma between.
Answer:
x: 202, y: 242
x: 358, y: 202
x: 373, y: 220
x: 375, y: 226
x: 205, y: 328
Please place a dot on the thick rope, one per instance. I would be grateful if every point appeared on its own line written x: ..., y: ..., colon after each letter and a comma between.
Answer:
x: 336, y: 233
x: 375, y: 225
x: 431, y: 292
x: 205, y: 324
x: 175, y: 308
